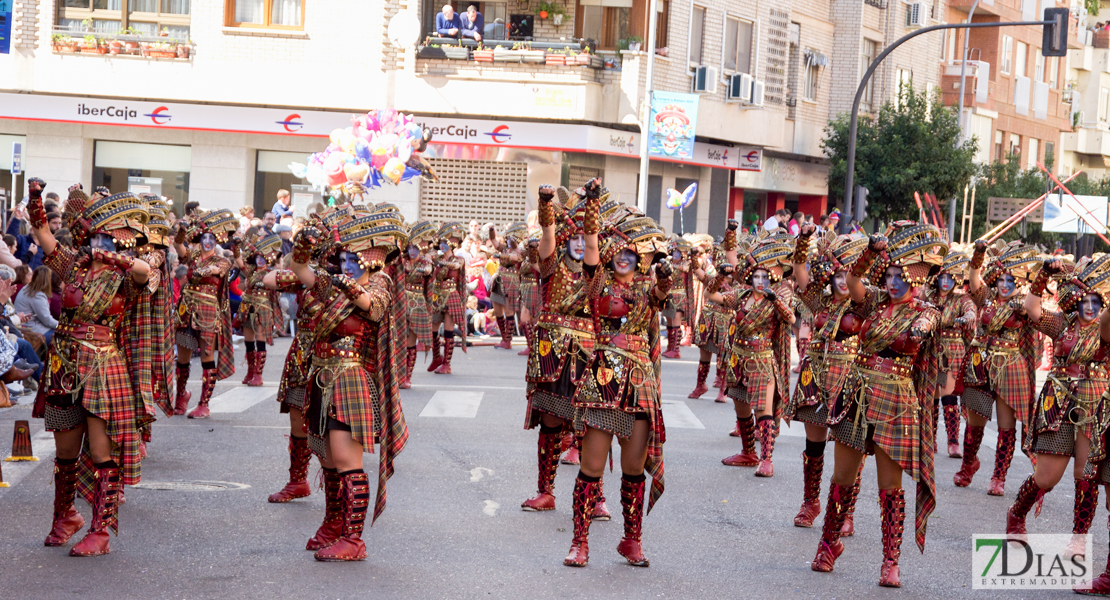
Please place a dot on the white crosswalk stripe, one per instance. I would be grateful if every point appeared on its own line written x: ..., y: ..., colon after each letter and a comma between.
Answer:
x: 678, y: 415
x: 239, y: 399
x: 459, y: 405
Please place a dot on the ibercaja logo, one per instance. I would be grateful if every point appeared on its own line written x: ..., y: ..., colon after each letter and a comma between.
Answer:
x: 1031, y: 562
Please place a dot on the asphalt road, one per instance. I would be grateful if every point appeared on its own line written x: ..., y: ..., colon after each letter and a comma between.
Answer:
x: 453, y: 527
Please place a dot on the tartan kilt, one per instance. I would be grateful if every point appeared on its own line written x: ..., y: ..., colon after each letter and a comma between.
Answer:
x: 814, y: 391
x: 506, y: 290
x: 418, y: 321
x: 452, y: 305
x: 1052, y: 431
x: 1003, y: 375
x: 712, y: 329
x: 530, y: 297
x: 951, y: 352
x: 676, y: 302
x: 350, y: 397
x: 749, y: 378
x: 257, y: 314
x: 891, y: 414
x: 198, y: 323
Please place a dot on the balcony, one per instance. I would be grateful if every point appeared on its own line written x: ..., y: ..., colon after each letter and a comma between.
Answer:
x: 123, y: 44
x: 1089, y: 141
x: 979, y: 90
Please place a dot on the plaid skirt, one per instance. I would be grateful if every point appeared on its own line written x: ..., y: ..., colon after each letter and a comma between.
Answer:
x: 506, y: 290
x: 712, y: 329
x: 815, y: 387
x: 530, y: 296
x: 1004, y: 376
x: 198, y: 323
x: 418, y: 321
x: 256, y: 312
x: 451, y: 305
x: 882, y: 411
x: 950, y: 352
x: 676, y: 302
x: 342, y: 390
x: 749, y: 378
x: 1053, y: 432
x: 295, y: 372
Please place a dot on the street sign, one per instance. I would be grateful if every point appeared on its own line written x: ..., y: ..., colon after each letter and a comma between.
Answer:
x: 1062, y: 214
x: 17, y: 158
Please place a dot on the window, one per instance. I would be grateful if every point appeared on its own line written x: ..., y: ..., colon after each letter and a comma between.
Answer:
x: 1034, y: 147
x: 1049, y: 155
x: 809, y: 83
x: 603, y: 22
x: 147, y: 17
x: 662, y: 18
x: 1021, y: 53
x: 274, y: 14
x: 998, y: 145
x: 1103, y: 104
x: 738, y: 45
x: 1038, y: 66
x: 1007, y: 54
x: 697, y: 36
x: 1053, y: 71
x: 1015, y: 146
x: 164, y: 168
x: 867, y: 54
x: 904, y: 84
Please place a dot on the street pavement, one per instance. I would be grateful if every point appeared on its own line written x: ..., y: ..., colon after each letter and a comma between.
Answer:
x: 453, y: 527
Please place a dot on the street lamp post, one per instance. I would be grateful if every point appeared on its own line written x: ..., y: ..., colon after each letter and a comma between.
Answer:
x: 645, y: 110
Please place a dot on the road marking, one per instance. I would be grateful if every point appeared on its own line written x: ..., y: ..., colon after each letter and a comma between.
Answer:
x: 469, y: 387
x: 676, y: 414
x: 239, y: 399
x: 477, y: 473
x: 491, y: 508
x: 459, y: 405
x: 42, y: 447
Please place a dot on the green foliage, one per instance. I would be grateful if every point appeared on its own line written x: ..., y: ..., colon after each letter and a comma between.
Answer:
x: 1091, y: 6
x: 912, y: 147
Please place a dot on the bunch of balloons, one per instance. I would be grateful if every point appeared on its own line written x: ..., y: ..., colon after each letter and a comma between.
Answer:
x: 382, y: 145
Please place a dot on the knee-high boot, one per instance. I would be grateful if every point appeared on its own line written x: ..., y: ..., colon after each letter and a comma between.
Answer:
x: 1086, y: 503
x: 849, y: 528
x: 67, y: 521
x: 632, y: 507
x: 448, y: 350
x: 1099, y: 586
x: 952, y: 425
x: 547, y: 456
x: 354, y: 492
x: 410, y: 364
x: 703, y: 374
x: 745, y: 430
x: 893, y: 506
x: 437, y: 358
x: 1028, y: 495
x: 812, y: 466
x: 830, y: 547
x: 181, y: 402
x: 209, y: 384
x: 672, y: 343
x: 249, y: 355
x: 298, y: 487
x: 586, y: 492
x: 973, y: 436
x: 332, y: 527
x: 1002, y: 457
x: 766, y: 447
x: 505, y: 324
x: 526, y: 328
x: 104, y: 512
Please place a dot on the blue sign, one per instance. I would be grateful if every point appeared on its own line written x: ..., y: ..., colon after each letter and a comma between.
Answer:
x: 674, y: 120
x: 17, y: 158
x: 6, y: 26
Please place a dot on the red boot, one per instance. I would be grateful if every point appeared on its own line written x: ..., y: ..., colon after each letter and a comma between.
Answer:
x: 332, y: 527
x: 703, y: 374
x: 527, y: 330
x: 601, y: 511
x: 687, y: 335
x: 1099, y: 586
x: 719, y: 377
x: 830, y: 546
x: 745, y: 428
x: 209, y: 384
x: 893, y: 506
x: 1002, y: 457
x: 506, y: 325
x: 548, y: 459
x: 586, y: 494
x: 672, y: 343
x: 632, y: 508
x: 104, y: 512
x: 437, y: 358
x: 250, y: 367
x: 952, y: 426
x: 298, y: 487
x: 1028, y: 495
x: 354, y: 493
x: 571, y: 443
x: 410, y: 364
x: 181, y: 402
x: 811, y: 495
x: 849, y: 527
x: 67, y: 521
x: 1086, y: 503
x: 448, y: 350
x: 766, y: 448
x: 973, y: 436
x: 258, y: 364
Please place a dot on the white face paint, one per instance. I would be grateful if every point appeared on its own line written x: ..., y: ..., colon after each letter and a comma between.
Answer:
x: 1005, y: 285
x: 208, y: 242
x: 895, y: 286
x: 625, y: 262
x: 1089, y: 307
x: 840, y: 283
x: 761, y: 280
x: 576, y: 247
x: 946, y: 282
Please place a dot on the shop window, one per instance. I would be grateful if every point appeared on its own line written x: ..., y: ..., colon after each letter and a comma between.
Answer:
x: 605, y: 21
x: 738, y: 46
x: 10, y: 190
x: 158, y: 168
x: 273, y: 14
x: 109, y: 17
x: 272, y: 174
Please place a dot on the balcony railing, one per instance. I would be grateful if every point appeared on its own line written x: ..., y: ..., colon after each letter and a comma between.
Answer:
x: 67, y: 41
x: 555, y: 54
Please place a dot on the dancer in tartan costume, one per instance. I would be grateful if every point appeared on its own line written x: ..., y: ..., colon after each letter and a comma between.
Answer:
x: 677, y: 308
x: 417, y: 266
x: 87, y: 396
x: 505, y: 288
x: 530, y: 304
x: 260, y: 310
x: 823, y: 288
x: 352, y: 396
x: 954, y: 332
x: 204, y: 312
x: 628, y: 280
x: 999, y: 366
x: 714, y: 320
x: 447, y: 298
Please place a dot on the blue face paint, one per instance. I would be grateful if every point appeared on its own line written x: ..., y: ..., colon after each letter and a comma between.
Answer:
x: 351, y: 266
x: 207, y: 242
x: 896, y: 287
x: 413, y: 251
x: 259, y: 261
x: 576, y: 247
x: 102, y: 241
x: 946, y: 282
x: 1089, y: 307
x: 1005, y: 285
x: 625, y: 262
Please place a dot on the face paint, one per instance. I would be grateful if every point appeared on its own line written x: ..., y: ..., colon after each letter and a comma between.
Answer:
x: 351, y: 266
x: 895, y: 285
x: 444, y: 247
x: 676, y: 255
x: 1005, y: 285
x: 761, y: 280
x: 103, y: 241
x: 576, y: 247
x: 840, y: 282
x: 413, y: 251
x: 625, y: 262
x: 946, y: 282
x: 207, y: 242
x: 1089, y: 307
x: 259, y: 261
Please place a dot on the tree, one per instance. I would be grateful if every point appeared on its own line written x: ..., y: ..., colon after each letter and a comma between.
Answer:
x: 913, y: 146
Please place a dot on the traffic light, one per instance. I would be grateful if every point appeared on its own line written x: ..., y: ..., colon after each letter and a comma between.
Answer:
x: 861, y: 203
x: 1054, y: 40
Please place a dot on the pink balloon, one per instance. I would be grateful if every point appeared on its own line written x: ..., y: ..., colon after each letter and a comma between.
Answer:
x: 333, y: 170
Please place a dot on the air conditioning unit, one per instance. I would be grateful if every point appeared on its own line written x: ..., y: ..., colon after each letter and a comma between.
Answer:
x: 705, y: 80
x: 740, y: 87
x: 757, y: 94
x: 916, y: 14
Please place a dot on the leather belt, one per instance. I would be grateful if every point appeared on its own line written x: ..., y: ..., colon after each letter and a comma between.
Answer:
x: 952, y: 334
x: 325, y: 351
x: 850, y: 347
x: 882, y: 364
x: 1079, y: 371
x: 568, y: 322
x: 624, y: 341
x: 196, y: 292
x: 85, y: 331
x: 755, y: 344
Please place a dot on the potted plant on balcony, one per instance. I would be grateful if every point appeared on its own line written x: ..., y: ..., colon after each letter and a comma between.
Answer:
x: 92, y: 46
x: 459, y: 52
x: 634, y: 43
x: 528, y: 55
x: 430, y: 50
x: 514, y: 54
x: 557, y: 57
x: 481, y: 54
x: 114, y: 46
x: 550, y: 9
x: 161, y: 50
x: 131, y: 46
x: 184, y: 49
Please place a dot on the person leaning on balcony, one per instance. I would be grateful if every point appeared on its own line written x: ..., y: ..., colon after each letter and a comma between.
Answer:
x: 472, y: 24
x: 448, y: 23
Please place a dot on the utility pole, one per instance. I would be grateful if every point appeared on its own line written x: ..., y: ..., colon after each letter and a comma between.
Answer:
x: 645, y: 110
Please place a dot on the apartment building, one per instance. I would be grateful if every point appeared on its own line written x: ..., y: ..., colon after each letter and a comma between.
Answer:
x: 211, y: 100
x: 1086, y: 142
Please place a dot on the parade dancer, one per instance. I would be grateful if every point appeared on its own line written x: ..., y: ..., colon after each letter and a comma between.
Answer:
x: 954, y: 331
x: 418, y: 279
x: 1000, y: 361
x: 448, y: 297
x: 1067, y: 418
x: 260, y: 308
x: 678, y: 305
x: 759, y: 362
x: 620, y: 394
x: 564, y: 341
x: 714, y: 321
x: 86, y: 395
x: 886, y: 404
x: 352, y: 397
x: 204, y: 312
x: 530, y: 304
x: 832, y: 351
x: 505, y: 288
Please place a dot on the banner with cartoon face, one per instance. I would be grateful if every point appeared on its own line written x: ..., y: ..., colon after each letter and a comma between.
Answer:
x: 674, y: 121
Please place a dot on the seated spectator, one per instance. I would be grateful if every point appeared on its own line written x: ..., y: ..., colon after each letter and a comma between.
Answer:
x: 34, y: 301
x: 9, y: 324
x: 448, y: 23
x: 472, y: 24
x: 8, y: 250
x: 471, y: 311
x: 22, y: 277
x: 495, y: 30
